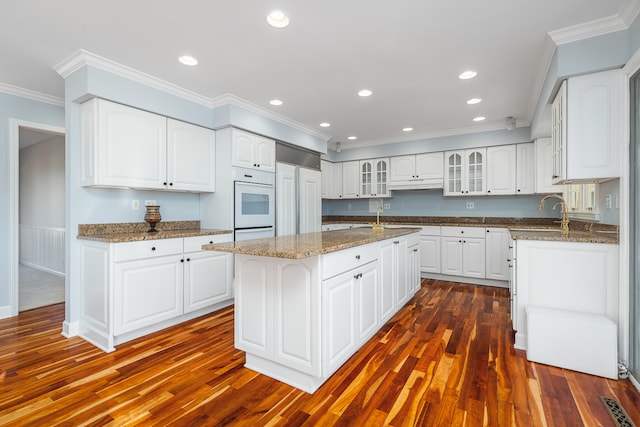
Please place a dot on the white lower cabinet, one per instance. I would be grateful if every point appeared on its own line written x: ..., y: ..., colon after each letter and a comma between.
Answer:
x: 463, y: 251
x: 134, y: 288
x: 413, y: 265
x: 430, y: 247
x: 393, y: 276
x: 497, y: 253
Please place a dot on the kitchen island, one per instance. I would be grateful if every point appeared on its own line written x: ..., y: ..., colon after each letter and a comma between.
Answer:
x: 306, y: 303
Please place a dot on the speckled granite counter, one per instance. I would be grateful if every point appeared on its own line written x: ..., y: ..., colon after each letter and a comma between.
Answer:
x: 309, y: 244
x: 136, y: 231
x: 521, y: 228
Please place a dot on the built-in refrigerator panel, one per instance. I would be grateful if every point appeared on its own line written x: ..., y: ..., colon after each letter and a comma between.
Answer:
x: 298, y: 200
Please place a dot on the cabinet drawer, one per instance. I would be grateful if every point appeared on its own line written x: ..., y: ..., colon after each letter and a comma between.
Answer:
x: 430, y: 230
x: 413, y: 239
x: 194, y: 244
x: 338, y: 262
x: 464, y: 231
x: 146, y: 249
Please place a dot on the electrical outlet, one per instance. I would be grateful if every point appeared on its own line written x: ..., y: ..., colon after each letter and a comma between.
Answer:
x: 607, y: 201
x: 135, y: 204
x: 387, y: 205
x: 470, y: 205
x: 349, y: 206
x: 149, y: 202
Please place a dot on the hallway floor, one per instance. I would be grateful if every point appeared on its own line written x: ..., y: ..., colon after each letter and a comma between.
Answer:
x: 38, y: 288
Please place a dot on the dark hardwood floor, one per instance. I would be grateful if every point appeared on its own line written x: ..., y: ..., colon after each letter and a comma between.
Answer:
x: 447, y: 358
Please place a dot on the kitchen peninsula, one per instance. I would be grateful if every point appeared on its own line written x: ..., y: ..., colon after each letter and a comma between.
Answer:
x: 305, y: 303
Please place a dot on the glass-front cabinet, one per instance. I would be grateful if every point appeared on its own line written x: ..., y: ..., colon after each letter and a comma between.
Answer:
x: 374, y: 175
x: 465, y: 172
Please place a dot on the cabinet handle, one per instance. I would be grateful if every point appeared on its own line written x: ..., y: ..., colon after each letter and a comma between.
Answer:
x: 170, y: 184
x: 488, y: 191
x: 415, y: 250
x: 554, y: 176
x: 211, y: 242
x: 164, y: 183
x: 153, y: 248
x: 357, y: 256
x: 396, y: 242
x: 460, y: 241
x: 518, y: 190
x: 461, y: 231
x: 182, y: 260
x: 464, y: 241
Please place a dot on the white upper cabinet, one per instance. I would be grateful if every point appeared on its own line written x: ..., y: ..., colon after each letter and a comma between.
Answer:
x: 253, y: 151
x: 465, y: 172
x: 191, y: 157
x: 126, y: 147
x: 501, y: 170
x: 525, y: 168
x: 331, y: 180
x: 351, y: 180
x: 374, y: 178
x: 416, y: 170
x: 544, y: 167
x: 588, y: 127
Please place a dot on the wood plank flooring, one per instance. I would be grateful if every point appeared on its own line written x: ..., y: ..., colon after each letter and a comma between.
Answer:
x: 446, y: 359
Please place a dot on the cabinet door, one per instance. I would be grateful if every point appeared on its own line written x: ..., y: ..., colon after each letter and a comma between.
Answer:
x: 286, y: 200
x: 327, y: 179
x: 242, y: 150
x: 473, y: 257
x: 402, y: 168
x: 298, y: 315
x: 429, y: 166
x: 191, y: 157
x: 501, y: 170
x: 207, y: 279
x: 387, y: 273
x: 350, y: 180
x: 497, y: 253
x: 366, y: 178
x: 430, y: 254
x: 402, y: 272
x: 132, y: 147
x: 453, y: 185
x: 452, y: 255
x: 380, y: 178
x: 310, y: 200
x: 147, y: 291
x: 475, y: 172
x: 525, y: 168
x: 544, y: 167
x: 413, y: 274
x: 265, y: 153
x: 595, y: 125
x: 253, y: 326
x: 338, y: 320
x: 559, y: 134
x: 367, y: 301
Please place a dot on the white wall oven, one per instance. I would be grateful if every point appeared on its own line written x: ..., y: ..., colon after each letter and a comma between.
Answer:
x: 254, y: 204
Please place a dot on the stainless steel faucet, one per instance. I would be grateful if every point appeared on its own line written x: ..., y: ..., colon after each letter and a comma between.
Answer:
x: 564, y: 222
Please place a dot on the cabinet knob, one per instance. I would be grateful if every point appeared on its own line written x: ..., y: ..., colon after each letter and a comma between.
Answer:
x: 518, y: 190
x: 461, y: 231
x: 170, y: 184
x: 357, y: 256
x: 460, y: 241
x: 554, y: 176
x: 464, y: 241
x: 488, y: 191
x: 153, y: 248
x: 211, y: 242
x: 188, y: 259
x: 164, y: 183
x: 182, y: 260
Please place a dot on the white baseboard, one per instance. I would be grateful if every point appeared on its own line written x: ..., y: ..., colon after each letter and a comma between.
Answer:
x: 70, y: 329
x: 5, y: 312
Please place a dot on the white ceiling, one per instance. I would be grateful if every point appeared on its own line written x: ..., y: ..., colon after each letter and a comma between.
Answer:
x: 408, y: 52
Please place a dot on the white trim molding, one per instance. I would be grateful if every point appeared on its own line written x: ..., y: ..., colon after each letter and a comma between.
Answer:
x: 82, y: 58
x: 31, y: 94
x: 589, y: 29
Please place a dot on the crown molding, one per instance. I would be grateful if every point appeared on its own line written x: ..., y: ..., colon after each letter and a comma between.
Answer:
x: 629, y: 11
x: 547, y: 58
x: 230, y: 99
x: 589, y: 29
x: 427, y: 135
x: 82, y: 58
x: 31, y: 94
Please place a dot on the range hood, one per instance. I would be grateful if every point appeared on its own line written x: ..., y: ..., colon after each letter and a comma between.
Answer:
x: 416, y: 184
x: 297, y: 156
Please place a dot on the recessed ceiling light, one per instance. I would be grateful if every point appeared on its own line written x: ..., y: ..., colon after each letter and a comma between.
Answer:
x: 407, y: 129
x: 275, y: 102
x: 474, y: 101
x: 478, y: 119
x: 467, y: 75
x: 364, y: 93
x: 188, y: 60
x: 352, y: 137
x: 325, y: 124
x: 278, y: 19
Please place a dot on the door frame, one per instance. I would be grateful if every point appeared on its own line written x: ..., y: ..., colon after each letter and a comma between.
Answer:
x: 14, y: 200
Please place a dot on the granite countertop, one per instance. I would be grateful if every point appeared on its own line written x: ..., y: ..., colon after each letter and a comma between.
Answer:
x: 520, y: 228
x: 136, y: 231
x: 310, y: 244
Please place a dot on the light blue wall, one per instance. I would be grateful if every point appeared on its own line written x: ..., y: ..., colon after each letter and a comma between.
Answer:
x: 432, y: 203
x: 13, y: 107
